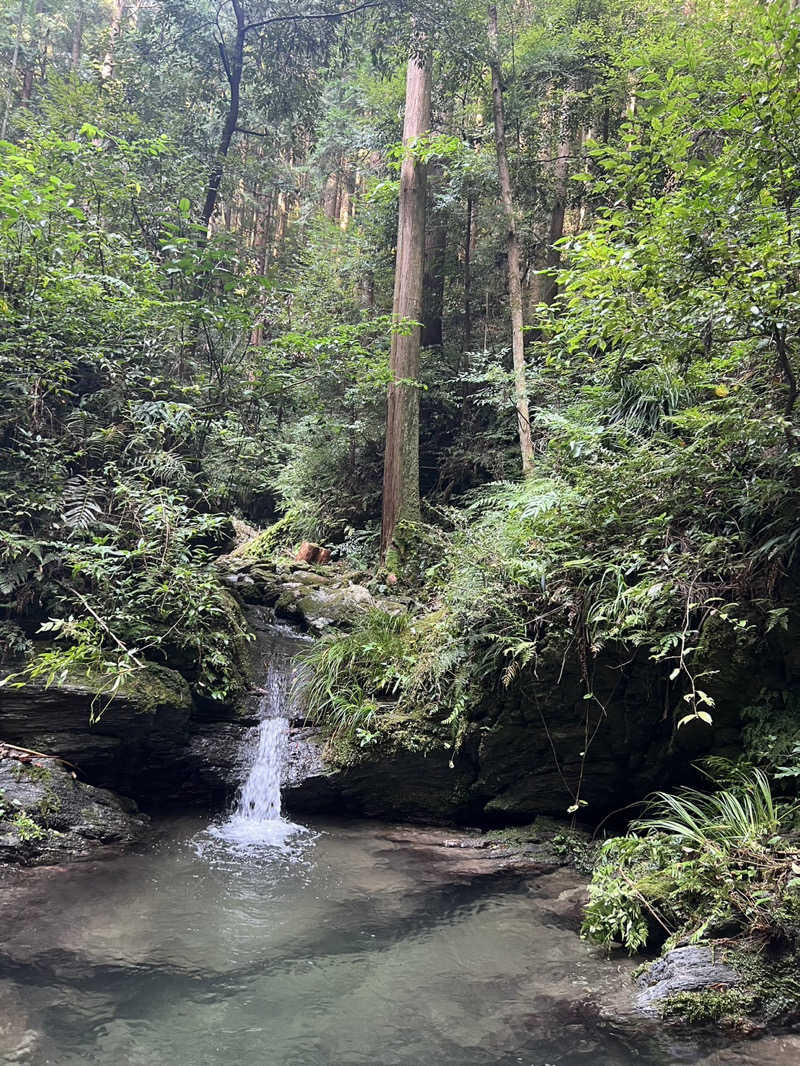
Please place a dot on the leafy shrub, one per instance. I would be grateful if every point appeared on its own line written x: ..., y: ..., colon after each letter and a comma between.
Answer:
x: 705, y: 864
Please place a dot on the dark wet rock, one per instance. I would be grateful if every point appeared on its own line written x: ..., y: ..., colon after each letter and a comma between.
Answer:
x: 47, y: 815
x: 410, y: 785
x: 686, y: 969
x: 125, y: 742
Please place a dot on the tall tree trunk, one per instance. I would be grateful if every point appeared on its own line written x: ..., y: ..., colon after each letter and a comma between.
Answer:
x: 281, y: 224
x: 545, y: 287
x: 512, y: 251
x: 14, y: 62
x: 401, y: 459
x: 77, y: 40
x: 232, y: 64
x: 469, y: 241
x: 114, y: 34
x: 433, y: 284
x: 348, y: 194
x: 28, y: 72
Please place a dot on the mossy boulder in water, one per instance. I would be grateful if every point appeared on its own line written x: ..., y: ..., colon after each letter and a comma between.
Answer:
x: 47, y: 815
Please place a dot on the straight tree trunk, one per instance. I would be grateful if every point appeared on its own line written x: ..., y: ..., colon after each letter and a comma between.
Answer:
x: 433, y: 284
x: 14, y: 62
x: 28, y: 72
x: 545, y: 286
x: 77, y: 40
x: 512, y: 251
x: 232, y: 63
x: 469, y: 241
x: 401, y: 459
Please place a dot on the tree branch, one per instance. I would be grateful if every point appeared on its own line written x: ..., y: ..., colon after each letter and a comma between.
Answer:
x: 324, y: 15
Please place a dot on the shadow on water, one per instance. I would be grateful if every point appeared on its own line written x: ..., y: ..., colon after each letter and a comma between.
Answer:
x: 347, y: 948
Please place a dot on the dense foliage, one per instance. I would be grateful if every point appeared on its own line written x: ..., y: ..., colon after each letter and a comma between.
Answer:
x: 165, y: 369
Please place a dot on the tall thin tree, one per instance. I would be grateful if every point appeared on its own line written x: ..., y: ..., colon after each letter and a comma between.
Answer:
x: 401, y: 459
x: 513, y: 254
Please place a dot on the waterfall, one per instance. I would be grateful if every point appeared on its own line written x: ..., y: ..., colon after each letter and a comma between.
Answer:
x: 257, y: 818
x: 260, y: 799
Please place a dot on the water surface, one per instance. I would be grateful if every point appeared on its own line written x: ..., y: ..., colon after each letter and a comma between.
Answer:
x: 351, y: 945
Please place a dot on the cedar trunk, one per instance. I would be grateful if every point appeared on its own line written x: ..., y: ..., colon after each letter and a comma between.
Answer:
x: 401, y: 459
x: 512, y: 251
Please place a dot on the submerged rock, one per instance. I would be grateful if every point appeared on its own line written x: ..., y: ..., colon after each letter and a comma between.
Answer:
x: 48, y: 816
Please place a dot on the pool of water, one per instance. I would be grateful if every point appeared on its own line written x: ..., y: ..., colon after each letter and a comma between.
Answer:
x: 351, y: 944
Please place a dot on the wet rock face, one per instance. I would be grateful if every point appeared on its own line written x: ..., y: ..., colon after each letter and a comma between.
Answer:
x: 128, y: 742
x: 687, y: 969
x: 520, y: 758
x: 48, y: 816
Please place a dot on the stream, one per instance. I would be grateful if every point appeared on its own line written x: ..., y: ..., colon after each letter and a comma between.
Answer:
x: 255, y: 941
x: 351, y: 944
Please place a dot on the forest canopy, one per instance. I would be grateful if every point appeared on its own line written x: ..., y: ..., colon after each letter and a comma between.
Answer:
x: 592, y: 380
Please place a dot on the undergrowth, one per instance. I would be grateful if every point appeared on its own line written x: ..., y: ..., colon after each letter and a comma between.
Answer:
x: 699, y: 866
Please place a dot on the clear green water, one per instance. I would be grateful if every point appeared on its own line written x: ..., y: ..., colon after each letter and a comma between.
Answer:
x: 358, y: 946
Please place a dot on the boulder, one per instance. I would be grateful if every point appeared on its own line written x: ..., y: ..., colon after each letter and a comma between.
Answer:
x: 685, y: 969
x: 48, y: 816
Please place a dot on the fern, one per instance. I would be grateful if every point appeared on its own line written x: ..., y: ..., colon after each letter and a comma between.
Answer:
x: 81, y: 508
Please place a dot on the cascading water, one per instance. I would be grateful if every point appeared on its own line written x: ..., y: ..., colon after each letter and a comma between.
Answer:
x: 257, y: 817
x: 260, y: 800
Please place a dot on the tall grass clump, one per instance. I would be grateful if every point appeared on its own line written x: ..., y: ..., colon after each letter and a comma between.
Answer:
x: 347, y: 674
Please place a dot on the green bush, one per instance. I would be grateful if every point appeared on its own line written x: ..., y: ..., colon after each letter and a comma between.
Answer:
x: 699, y: 865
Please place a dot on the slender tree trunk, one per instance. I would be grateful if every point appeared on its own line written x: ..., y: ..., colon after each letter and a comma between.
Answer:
x: 545, y: 287
x: 401, y: 459
x: 433, y: 284
x: 114, y: 34
x: 512, y: 251
x: 77, y: 40
x: 348, y: 194
x: 469, y: 240
x: 28, y: 73
x: 281, y: 223
x: 14, y: 62
x: 232, y: 64
x: 329, y: 196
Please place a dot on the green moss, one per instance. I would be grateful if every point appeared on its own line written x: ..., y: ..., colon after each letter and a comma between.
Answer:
x: 154, y: 687
x: 27, y: 829
x: 32, y: 772
x: 270, y: 540
x: 710, y: 1006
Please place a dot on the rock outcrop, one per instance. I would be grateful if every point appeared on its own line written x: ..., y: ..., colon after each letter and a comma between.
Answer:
x: 685, y: 969
x: 310, y: 598
x: 127, y: 741
x: 48, y: 816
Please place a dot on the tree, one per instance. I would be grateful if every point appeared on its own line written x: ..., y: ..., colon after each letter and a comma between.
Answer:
x: 401, y: 459
x: 512, y: 250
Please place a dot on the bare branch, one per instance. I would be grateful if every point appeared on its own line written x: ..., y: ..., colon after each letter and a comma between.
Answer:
x: 325, y: 15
